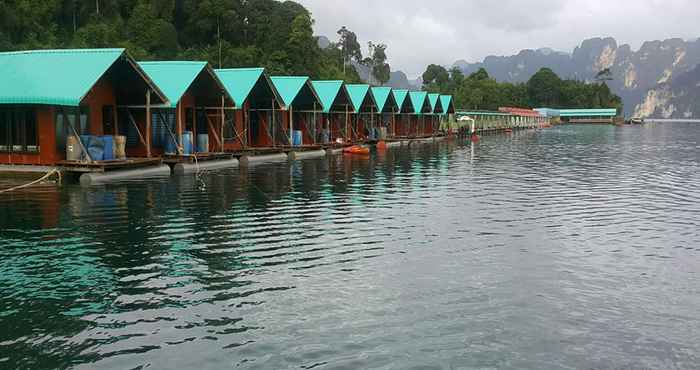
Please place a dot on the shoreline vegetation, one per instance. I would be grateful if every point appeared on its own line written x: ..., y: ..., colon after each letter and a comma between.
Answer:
x: 264, y: 33
x: 545, y: 88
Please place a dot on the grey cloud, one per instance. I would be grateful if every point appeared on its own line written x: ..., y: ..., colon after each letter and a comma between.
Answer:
x: 442, y: 31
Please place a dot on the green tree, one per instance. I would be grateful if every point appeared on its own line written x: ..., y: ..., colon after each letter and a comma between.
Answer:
x: 349, y: 47
x: 544, y: 89
x: 436, y: 75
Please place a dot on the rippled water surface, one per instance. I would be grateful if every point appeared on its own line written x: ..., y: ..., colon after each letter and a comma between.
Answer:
x: 574, y: 247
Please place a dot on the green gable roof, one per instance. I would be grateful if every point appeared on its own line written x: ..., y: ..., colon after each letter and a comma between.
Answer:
x: 435, y: 104
x: 173, y: 78
x: 405, y: 105
x: 447, y: 104
x: 289, y: 87
x: 328, y: 92
x: 239, y: 82
x: 420, y: 102
x: 360, y: 96
x: 58, y: 77
x: 385, y: 99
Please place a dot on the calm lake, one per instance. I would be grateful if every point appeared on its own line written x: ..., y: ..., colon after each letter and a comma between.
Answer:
x: 572, y: 247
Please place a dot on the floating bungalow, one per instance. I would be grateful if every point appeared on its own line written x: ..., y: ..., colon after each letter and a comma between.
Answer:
x: 402, y: 118
x: 60, y: 108
x: 98, y: 113
x: 421, y: 107
x: 250, y: 127
x: 386, y: 112
x: 193, y: 121
x: 435, y: 114
x: 335, y: 116
x: 299, y: 111
x: 364, y: 111
x: 448, y: 123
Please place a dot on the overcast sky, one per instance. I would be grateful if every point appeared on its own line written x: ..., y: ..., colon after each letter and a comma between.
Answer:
x: 442, y: 31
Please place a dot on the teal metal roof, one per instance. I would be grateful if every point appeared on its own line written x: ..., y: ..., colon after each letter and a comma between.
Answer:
x: 239, y: 82
x: 405, y: 105
x: 328, y: 92
x: 56, y: 77
x: 290, y: 89
x: 420, y: 102
x: 173, y: 78
x: 359, y: 93
x: 385, y: 99
x: 611, y: 112
x: 447, y: 104
x: 435, y: 104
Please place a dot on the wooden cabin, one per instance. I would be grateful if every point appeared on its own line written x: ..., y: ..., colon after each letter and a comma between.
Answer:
x: 435, y: 114
x: 300, y: 110
x: 386, y: 110
x: 402, y: 118
x: 193, y: 120
x: 337, y: 107
x: 447, y: 118
x: 252, y: 123
x: 363, y: 117
x: 51, y: 100
x: 421, y: 107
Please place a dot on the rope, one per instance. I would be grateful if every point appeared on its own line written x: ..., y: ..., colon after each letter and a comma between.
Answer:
x: 49, y: 174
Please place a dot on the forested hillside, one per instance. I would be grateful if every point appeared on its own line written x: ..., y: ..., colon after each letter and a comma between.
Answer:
x: 543, y: 89
x: 228, y: 33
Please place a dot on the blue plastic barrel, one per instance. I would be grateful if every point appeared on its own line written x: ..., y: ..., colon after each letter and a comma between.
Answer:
x: 187, y: 142
x: 108, y: 147
x: 202, y: 143
x: 85, y: 139
x: 96, y: 149
x: 296, y: 138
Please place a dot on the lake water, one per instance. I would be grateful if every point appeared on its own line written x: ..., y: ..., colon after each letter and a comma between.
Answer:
x: 573, y: 247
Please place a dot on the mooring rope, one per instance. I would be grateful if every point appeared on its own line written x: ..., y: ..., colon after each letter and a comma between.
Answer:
x: 46, y: 176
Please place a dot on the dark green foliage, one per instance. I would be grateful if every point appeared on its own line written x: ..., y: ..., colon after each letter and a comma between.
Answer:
x: 227, y: 33
x: 544, y: 89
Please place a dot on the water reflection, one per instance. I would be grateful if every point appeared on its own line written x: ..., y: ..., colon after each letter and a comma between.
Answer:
x: 574, y: 246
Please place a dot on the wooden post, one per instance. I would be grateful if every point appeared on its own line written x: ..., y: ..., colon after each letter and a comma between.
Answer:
x: 315, y: 125
x: 223, y: 122
x: 181, y: 144
x: 347, y: 119
x: 148, y: 123
x: 291, y: 126
x: 272, y: 124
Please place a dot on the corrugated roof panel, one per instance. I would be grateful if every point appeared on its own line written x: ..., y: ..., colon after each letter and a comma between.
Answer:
x: 53, y: 77
x: 384, y: 98
x: 358, y: 94
x: 405, y: 105
x: 327, y: 92
x: 435, y: 103
x: 419, y: 99
x: 173, y: 78
x: 239, y: 82
x: 289, y: 87
x: 447, y: 104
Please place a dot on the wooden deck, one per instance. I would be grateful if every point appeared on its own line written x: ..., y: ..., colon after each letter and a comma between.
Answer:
x: 111, y: 165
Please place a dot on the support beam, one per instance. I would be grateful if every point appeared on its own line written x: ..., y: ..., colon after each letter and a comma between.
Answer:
x: 148, y: 123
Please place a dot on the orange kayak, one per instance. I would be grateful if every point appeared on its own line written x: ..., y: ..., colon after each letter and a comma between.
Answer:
x: 356, y: 149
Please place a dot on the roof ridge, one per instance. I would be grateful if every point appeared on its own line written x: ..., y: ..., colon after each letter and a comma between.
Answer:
x: 173, y: 62
x: 63, y: 51
x: 240, y: 69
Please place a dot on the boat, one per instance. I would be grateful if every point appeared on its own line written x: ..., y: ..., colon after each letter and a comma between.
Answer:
x: 356, y: 149
x: 636, y: 121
